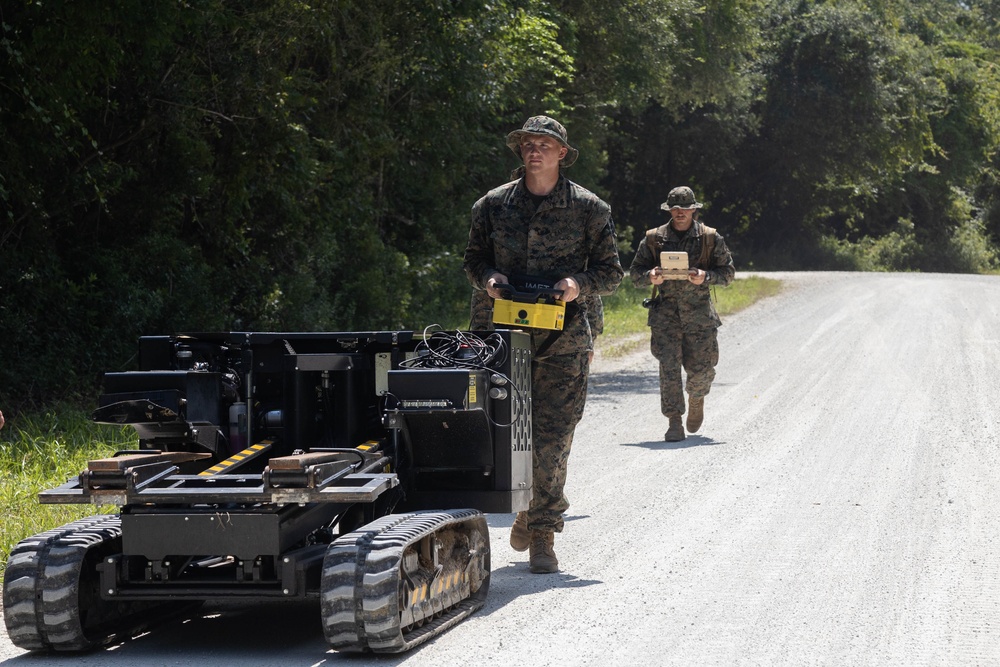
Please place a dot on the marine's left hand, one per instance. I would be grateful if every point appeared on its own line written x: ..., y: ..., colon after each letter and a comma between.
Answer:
x: 569, y: 287
x: 697, y: 276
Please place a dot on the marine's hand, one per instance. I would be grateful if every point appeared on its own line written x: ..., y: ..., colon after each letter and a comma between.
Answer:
x: 570, y: 289
x: 494, y: 280
x: 655, y: 278
x: 697, y: 276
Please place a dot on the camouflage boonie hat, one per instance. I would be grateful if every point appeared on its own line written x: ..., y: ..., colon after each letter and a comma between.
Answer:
x: 549, y: 127
x: 680, y: 197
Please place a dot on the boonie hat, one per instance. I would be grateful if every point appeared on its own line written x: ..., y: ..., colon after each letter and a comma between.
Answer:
x: 549, y: 127
x: 680, y: 197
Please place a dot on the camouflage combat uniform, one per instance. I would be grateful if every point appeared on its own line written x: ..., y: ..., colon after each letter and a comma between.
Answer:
x: 571, y: 234
x: 682, y: 318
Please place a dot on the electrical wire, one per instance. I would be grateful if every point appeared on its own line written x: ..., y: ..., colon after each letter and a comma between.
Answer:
x: 458, y: 349
x: 463, y: 349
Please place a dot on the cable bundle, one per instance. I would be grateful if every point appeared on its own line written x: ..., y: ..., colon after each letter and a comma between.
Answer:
x: 459, y: 349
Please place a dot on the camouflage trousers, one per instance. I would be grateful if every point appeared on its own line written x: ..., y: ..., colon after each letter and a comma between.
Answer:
x: 697, y: 352
x: 558, y: 395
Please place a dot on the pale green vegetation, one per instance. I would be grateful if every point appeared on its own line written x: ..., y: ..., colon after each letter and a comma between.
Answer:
x: 625, y: 318
x: 318, y: 176
x: 38, y: 452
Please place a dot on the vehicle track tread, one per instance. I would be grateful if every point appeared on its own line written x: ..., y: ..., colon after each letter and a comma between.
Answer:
x: 363, y: 579
x: 51, y: 595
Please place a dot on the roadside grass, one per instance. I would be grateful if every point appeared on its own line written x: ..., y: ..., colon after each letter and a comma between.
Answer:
x: 625, y: 327
x: 42, y: 451
x: 39, y: 452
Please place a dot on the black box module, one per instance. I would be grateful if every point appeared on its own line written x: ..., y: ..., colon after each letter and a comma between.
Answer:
x: 439, y: 388
x: 445, y: 410
x: 469, y: 429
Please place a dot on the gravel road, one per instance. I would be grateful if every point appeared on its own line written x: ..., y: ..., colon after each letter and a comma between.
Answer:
x: 839, y: 507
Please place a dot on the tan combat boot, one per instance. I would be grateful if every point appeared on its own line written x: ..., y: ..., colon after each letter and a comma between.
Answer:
x: 675, y: 433
x: 542, y: 558
x: 520, y: 536
x: 696, y: 413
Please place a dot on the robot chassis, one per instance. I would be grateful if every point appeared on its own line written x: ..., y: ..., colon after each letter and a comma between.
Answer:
x: 350, y: 468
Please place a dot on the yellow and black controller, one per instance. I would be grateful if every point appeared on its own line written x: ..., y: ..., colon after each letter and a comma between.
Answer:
x: 534, y: 308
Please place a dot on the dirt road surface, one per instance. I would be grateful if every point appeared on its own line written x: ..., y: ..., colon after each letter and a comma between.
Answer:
x: 839, y: 507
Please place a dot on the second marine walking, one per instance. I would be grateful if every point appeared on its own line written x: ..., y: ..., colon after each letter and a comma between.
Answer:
x: 682, y: 318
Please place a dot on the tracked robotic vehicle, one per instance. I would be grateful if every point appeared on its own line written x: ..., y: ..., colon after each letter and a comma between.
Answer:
x: 350, y: 468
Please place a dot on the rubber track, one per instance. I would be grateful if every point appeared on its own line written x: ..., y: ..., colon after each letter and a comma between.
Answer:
x: 361, y: 582
x: 50, y: 590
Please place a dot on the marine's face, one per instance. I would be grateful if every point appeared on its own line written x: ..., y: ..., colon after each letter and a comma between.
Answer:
x: 682, y: 218
x: 541, y: 152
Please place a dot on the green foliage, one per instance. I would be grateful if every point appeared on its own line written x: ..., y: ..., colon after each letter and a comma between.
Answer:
x: 896, y: 251
x: 623, y: 312
x: 41, y: 451
x: 842, y: 111
x: 272, y: 164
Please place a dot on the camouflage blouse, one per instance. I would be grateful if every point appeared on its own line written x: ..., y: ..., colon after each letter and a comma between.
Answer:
x: 570, y: 234
x: 696, y: 299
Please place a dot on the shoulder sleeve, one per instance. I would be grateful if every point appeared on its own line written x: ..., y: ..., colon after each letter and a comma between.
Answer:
x: 604, y: 269
x: 480, y: 261
x: 722, y: 268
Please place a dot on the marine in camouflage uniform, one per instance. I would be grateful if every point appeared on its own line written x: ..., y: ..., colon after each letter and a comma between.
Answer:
x: 565, y: 236
x: 682, y: 318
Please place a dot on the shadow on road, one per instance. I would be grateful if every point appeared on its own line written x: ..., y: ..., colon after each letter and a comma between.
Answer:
x: 644, y: 382
x: 514, y: 580
x: 688, y: 442
x: 261, y: 634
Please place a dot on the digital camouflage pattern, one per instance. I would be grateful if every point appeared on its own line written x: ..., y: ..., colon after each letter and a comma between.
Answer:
x: 558, y: 397
x: 548, y: 127
x: 595, y: 313
x: 680, y: 197
x: 682, y: 318
x: 570, y: 234
x: 480, y: 311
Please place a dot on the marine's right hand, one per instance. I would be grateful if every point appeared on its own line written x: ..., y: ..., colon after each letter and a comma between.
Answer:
x: 654, y: 276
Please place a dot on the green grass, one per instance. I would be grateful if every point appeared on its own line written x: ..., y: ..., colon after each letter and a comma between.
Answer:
x: 39, y: 452
x: 625, y: 327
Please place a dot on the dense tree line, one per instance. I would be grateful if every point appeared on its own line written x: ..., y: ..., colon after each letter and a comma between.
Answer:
x: 279, y: 165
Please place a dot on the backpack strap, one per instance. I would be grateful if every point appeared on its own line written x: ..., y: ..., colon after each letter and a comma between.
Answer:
x: 653, y: 248
x: 707, y: 246
x: 707, y: 249
x: 651, y: 239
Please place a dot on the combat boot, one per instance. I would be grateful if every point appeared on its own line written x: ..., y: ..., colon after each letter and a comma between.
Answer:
x: 542, y: 558
x: 520, y: 536
x: 675, y: 433
x: 696, y: 413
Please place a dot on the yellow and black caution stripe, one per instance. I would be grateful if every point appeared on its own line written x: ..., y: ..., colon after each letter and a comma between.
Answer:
x: 251, y: 452
x: 367, y: 445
